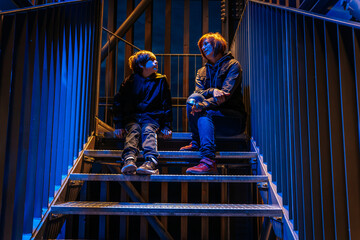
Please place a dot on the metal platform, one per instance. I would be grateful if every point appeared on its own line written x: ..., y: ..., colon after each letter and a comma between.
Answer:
x: 170, y: 178
x: 172, y: 154
x: 167, y: 209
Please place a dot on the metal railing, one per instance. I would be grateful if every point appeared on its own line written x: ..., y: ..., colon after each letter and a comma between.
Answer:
x: 49, y: 58
x: 302, y: 75
x: 176, y: 78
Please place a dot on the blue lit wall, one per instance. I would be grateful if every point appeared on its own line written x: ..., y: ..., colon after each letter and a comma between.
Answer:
x: 301, y: 83
x: 48, y: 73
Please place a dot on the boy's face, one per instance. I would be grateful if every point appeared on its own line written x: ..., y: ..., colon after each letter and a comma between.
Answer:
x: 150, y: 67
x: 207, y: 48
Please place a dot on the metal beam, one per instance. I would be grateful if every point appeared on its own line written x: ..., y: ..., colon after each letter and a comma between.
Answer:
x: 22, y: 3
x: 124, y: 27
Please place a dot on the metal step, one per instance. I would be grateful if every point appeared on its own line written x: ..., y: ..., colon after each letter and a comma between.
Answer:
x: 169, y: 178
x: 172, y: 154
x: 167, y: 209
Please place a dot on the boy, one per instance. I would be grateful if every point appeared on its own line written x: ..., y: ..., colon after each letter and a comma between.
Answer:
x: 141, y: 108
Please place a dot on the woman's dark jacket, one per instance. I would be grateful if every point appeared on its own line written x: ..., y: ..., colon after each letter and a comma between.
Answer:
x: 143, y: 99
x: 225, y: 75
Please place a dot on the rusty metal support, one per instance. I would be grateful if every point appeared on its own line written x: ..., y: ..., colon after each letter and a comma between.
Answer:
x: 124, y: 27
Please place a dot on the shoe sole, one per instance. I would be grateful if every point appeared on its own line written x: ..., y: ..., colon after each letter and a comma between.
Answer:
x: 188, y: 150
x: 129, y: 170
x: 202, y: 173
x: 147, y: 172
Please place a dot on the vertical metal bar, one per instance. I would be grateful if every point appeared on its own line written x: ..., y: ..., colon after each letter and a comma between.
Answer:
x: 323, y: 132
x: 184, y: 220
x: 123, y: 225
x: 16, y: 109
x: 143, y: 222
x: 102, y: 219
x: 271, y: 102
x: 49, y: 60
x: 167, y: 42
x: 29, y: 40
x: 299, y: 120
x: 148, y: 27
x: 305, y: 138
x: 82, y: 218
x: 205, y: 16
x: 185, y: 58
x: 164, y: 196
x: 313, y: 129
x: 224, y: 221
x: 130, y: 38
x: 178, y: 92
x: 350, y: 123
x: 35, y: 182
x: 336, y: 140
x: 110, y: 60
x: 71, y: 96
x: 7, y: 43
x: 205, y: 220
x: 287, y: 63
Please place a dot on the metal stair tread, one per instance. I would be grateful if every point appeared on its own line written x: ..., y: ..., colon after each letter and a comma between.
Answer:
x: 169, y: 178
x: 172, y: 154
x: 166, y: 209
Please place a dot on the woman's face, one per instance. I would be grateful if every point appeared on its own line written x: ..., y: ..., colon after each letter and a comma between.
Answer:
x: 207, y: 49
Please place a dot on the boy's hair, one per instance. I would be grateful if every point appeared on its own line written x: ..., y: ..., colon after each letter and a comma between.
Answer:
x: 140, y: 58
x: 217, y: 42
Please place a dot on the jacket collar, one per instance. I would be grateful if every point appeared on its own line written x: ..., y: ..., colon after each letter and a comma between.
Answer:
x: 225, y: 57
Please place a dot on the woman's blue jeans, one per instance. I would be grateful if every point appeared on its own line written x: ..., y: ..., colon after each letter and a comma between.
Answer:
x: 203, y: 128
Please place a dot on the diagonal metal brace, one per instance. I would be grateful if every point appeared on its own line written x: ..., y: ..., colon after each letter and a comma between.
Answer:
x: 140, y: 8
x: 136, y: 197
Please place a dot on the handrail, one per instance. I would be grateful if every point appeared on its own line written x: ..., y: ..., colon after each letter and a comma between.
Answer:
x: 310, y: 14
x: 39, y: 7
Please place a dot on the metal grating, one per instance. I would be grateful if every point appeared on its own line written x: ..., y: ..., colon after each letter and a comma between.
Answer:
x: 172, y: 154
x: 167, y: 209
x: 169, y: 178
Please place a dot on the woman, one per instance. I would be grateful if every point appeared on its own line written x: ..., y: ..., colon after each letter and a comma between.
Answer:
x: 217, y: 94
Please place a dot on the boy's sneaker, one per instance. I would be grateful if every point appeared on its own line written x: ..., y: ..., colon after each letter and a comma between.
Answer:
x: 129, y: 166
x: 190, y: 147
x: 148, y: 168
x: 206, y: 166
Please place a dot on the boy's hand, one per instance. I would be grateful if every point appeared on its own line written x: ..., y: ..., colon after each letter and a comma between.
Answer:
x: 219, y: 96
x: 120, y: 133
x: 166, y: 132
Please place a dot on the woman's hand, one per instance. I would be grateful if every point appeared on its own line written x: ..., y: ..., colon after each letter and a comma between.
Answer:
x: 220, y: 95
x: 198, y: 107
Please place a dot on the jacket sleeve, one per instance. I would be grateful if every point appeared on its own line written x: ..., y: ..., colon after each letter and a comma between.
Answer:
x: 230, y: 83
x: 200, y: 81
x: 119, y: 104
x: 167, y: 106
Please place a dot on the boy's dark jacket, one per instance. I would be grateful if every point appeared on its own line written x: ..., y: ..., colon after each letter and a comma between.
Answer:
x: 148, y: 99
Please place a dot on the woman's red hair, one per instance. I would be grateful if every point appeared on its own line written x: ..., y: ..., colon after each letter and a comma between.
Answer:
x: 217, y: 41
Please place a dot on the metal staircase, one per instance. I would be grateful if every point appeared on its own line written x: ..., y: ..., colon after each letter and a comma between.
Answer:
x: 177, y: 160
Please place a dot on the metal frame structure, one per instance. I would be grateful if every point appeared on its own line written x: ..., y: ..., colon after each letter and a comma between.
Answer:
x: 49, y: 70
x: 301, y: 83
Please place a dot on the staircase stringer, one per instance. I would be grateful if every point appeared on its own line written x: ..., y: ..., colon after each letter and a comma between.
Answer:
x: 283, y: 228
x: 61, y: 194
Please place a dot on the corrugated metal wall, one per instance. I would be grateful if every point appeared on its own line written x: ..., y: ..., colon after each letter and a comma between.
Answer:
x: 301, y: 83
x: 49, y: 59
